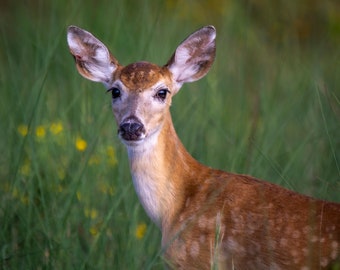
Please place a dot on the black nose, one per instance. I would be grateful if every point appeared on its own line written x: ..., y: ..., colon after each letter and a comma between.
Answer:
x: 131, y: 129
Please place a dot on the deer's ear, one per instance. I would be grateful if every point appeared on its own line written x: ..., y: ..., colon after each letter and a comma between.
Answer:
x: 194, y: 56
x: 93, y: 60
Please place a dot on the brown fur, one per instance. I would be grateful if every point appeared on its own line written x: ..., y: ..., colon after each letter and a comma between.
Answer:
x: 141, y: 75
x: 208, y: 218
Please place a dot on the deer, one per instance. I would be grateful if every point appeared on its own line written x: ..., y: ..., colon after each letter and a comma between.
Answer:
x: 208, y: 218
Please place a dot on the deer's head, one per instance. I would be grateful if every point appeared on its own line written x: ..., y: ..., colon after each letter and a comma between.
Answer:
x: 142, y: 91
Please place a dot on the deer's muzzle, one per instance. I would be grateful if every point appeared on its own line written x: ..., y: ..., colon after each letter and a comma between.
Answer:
x: 131, y: 129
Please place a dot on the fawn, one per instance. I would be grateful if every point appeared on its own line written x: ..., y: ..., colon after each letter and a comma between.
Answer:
x: 208, y: 218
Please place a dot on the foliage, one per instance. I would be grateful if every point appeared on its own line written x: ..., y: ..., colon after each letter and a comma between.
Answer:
x: 269, y: 107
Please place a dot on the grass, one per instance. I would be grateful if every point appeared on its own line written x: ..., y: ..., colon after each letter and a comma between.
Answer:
x: 267, y: 108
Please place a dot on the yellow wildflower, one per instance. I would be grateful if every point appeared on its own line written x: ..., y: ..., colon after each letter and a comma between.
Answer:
x: 25, y: 169
x: 94, y: 160
x: 24, y: 199
x: 61, y: 173
x: 40, y: 132
x: 91, y: 213
x: 79, y: 196
x: 20, y: 196
x: 111, y: 190
x: 60, y: 188
x: 81, y: 144
x: 93, y: 230
x: 106, y: 189
x: 23, y: 130
x: 140, y: 230
x: 15, y: 193
x: 6, y: 187
x: 56, y: 128
x: 112, y: 160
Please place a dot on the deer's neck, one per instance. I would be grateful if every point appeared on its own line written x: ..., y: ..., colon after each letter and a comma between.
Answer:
x: 161, y: 169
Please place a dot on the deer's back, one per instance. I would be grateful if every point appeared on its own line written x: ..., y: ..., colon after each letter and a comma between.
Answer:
x: 254, y: 224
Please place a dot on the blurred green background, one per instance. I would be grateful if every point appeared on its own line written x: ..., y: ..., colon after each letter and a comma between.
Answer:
x: 269, y: 107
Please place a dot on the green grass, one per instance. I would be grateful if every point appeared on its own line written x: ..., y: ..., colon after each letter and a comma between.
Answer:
x: 269, y: 108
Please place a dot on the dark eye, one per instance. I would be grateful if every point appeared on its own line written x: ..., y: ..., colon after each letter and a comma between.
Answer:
x: 161, y: 94
x: 115, y: 92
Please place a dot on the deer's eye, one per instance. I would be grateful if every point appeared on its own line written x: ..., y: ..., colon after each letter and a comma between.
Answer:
x: 115, y: 92
x: 161, y: 94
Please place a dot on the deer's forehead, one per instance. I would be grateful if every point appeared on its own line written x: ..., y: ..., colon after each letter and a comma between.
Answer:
x: 142, y: 75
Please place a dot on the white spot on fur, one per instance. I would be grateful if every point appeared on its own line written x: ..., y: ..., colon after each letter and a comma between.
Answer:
x: 306, y: 230
x: 202, y: 239
x: 296, y: 256
x: 272, y: 244
x: 181, y: 218
x: 314, y: 239
x: 334, y: 254
x: 274, y: 266
x: 283, y: 242
x: 202, y: 222
x: 211, y: 223
x: 180, y: 248
x: 187, y: 202
x: 324, y: 262
x: 194, y: 249
x: 296, y: 234
x: 335, y: 250
x: 233, y: 245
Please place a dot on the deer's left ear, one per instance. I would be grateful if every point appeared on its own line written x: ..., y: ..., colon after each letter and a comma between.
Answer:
x: 194, y: 56
x: 93, y: 60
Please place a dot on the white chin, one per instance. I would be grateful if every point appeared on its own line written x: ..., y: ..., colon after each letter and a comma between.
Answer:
x: 133, y: 142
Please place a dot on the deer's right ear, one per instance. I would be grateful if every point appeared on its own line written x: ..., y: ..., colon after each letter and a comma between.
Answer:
x: 93, y: 60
